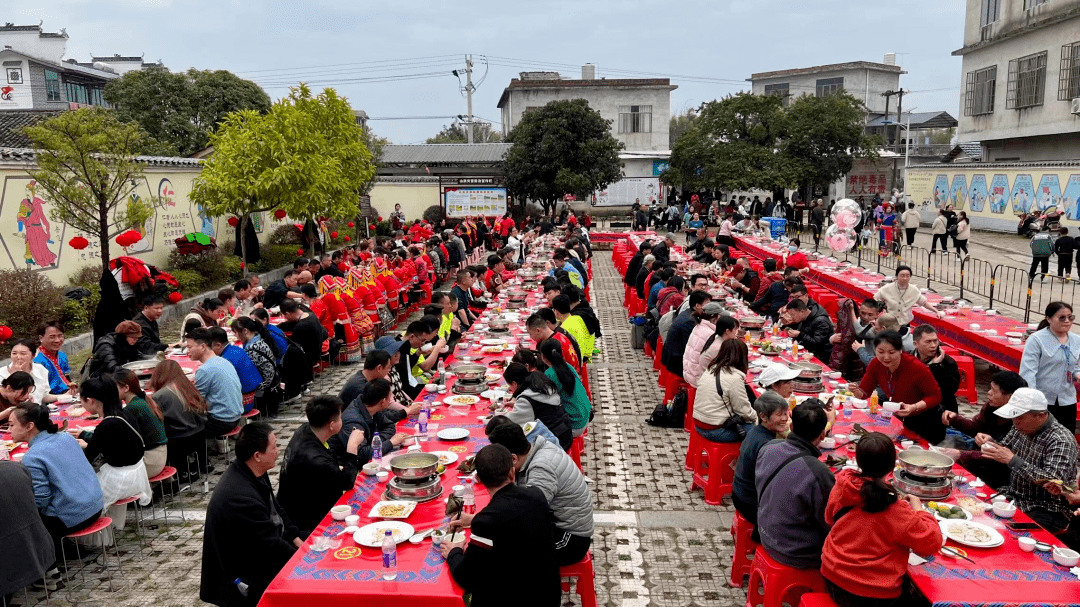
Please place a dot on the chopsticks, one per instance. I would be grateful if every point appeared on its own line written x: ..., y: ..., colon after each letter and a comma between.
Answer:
x: 956, y: 553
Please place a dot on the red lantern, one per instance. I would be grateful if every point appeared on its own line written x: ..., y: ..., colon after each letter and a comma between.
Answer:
x: 280, y: 214
x: 372, y: 226
x: 333, y: 234
x: 5, y: 332
x: 175, y: 297
x: 79, y: 243
x: 347, y: 239
x: 380, y: 218
x: 233, y: 221
x: 352, y: 224
x: 299, y: 252
x: 241, y: 265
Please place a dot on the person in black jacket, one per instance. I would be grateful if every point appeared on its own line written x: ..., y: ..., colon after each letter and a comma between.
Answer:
x: 306, y: 330
x: 1065, y: 246
x: 647, y: 265
x: 775, y: 297
x: 515, y: 528
x: 370, y: 414
x: 681, y: 328
x: 634, y: 264
x: 150, y: 342
x: 116, y: 349
x: 280, y: 290
x: 312, y: 477
x: 946, y: 371
x: 811, y: 328
x: 247, y: 536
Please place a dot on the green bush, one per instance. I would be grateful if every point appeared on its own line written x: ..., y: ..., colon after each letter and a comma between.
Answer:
x: 434, y: 214
x: 27, y: 299
x: 275, y: 256
x: 86, y: 276
x: 285, y: 234
x: 213, y: 265
x: 191, y: 282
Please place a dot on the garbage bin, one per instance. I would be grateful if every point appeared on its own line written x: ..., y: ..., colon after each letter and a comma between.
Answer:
x: 637, y: 332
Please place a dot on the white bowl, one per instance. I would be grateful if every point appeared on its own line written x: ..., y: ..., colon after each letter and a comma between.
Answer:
x: 431, y: 387
x: 338, y: 513
x: 859, y: 403
x: 839, y: 437
x: 1016, y: 341
x: 833, y: 375
x: 907, y: 444
x: 891, y: 407
x: 974, y: 326
x: 383, y: 476
x: 827, y: 443
x: 1004, y: 509
x: 1027, y: 544
x: 1066, y: 557
x: 353, y: 520
x: 978, y: 309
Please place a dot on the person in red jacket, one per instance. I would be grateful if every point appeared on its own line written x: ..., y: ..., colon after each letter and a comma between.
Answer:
x: 795, y: 257
x: 905, y: 380
x: 865, y: 556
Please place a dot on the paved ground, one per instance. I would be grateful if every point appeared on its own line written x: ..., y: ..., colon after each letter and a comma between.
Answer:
x: 656, y: 542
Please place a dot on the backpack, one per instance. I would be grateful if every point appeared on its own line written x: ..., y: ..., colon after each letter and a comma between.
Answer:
x: 670, y: 415
x: 1042, y: 245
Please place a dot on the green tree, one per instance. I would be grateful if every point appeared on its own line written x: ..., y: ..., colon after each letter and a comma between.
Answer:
x: 86, y: 163
x: 180, y: 110
x: 680, y: 124
x: 824, y: 137
x: 456, y: 133
x: 305, y: 156
x: 564, y: 147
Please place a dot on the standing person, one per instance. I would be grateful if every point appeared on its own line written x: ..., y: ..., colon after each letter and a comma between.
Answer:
x: 938, y: 230
x: 397, y: 218
x: 911, y: 220
x: 150, y: 342
x: 1064, y: 248
x: 963, y: 234
x: 1042, y: 246
x: 248, y: 537
x: 817, y: 221
x: 950, y: 223
x: 1050, y: 362
x: 900, y: 298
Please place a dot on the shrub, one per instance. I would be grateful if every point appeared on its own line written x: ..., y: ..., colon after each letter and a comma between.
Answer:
x: 434, y: 214
x: 213, y: 265
x: 285, y: 234
x: 275, y: 256
x: 86, y: 276
x: 27, y: 299
x: 191, y: 282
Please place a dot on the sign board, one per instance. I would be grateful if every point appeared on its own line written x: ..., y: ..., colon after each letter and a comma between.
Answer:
x: 867, y: 179
x: 462, y: 202
x: 659, y: 166
x: 624, y: 192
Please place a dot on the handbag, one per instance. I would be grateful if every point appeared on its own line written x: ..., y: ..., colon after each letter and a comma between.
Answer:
x: 731, y: 424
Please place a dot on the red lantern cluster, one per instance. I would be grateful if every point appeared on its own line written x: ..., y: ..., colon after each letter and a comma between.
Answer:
x: 280, y: 214
x: 175, y: 297
x: 380, y: 218
x: 128, y: 238
x: 79, y: 243
x: 5, y: 333
x: 352, y: 224
x: 233, y: 221
x: 333, y: 234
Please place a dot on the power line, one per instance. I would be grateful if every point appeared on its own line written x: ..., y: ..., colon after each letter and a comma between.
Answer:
x: 357, y: 63
x: 374, y: 79
x: 350, y: 71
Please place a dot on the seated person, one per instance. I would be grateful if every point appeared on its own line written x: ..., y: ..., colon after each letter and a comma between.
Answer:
x: 537, y: 398
x: 769, y: 276
x: 280, y: 290
x: 547, y: 467
x: 773, y: 417
x: 907, y: 381
x: 515, y: 527
x: 23, y: 353
x: 1037, y: 450
x: 946, y: 372
x: 811, y: 328
x: 312, y: 479
x: 50, y: 356
x: 204, y: 315
x: 247, y: 536
x: 116, y: 349
x: 793, y: 487
x: 28, y: 554
x: 775, y: 297
x: 246, y: 371
x: 1002, y: 386
x: 371, y: 414
x: 679, y: 334
x: 574, y: 325
x: 376, y: 366
x: 722, y: 411
x: 304, y: 328
x: 150, y: 342
x: 572, y: 393
x: 745, y: 282
x: 218, y: 383
x: 143, y: 413
x: 865, y: 557
x: 15, y: 389
x: 184, y: 410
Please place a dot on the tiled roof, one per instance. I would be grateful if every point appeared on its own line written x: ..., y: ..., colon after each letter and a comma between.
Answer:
x: 919, y: 120
x: 116, y: 58
x: 12, y: 121
x: 445, y: 153
x: 972, y: 149
x: 518, y: 84
x: 27, y: 155
x: 832, y: 67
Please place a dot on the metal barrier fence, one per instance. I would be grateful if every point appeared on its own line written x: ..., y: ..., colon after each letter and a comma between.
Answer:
x: 1009, y: 286
x: 977, y: 278
x: 945, y: 268
x: 1046, y: 288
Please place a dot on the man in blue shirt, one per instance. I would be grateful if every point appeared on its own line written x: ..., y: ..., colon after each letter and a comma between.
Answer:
x: 559, y: 258
x: 51, y: 334
x: 249, y: 375
x: 654, y: 291
x: 219, y: 384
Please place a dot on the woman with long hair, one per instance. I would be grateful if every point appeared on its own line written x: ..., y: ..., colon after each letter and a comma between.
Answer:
x: 277, y: 335
x: 143, y: 412
x: 865, y: 557
x: 536, y: 397
x: 184, y: 414
x: 571, y: 391
x: 963, y: 234
x: 1051, y: 362
x: 118, y: 441
x: 722, y: 395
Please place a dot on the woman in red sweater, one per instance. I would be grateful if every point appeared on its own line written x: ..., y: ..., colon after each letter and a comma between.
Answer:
x: 866, y: 552
x: 907, y: 381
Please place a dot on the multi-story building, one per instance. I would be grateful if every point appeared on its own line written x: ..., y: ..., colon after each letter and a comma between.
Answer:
x: 639, y: 110
x: 1031, y: 48
x: 865, y: 80
x: 37, y: 77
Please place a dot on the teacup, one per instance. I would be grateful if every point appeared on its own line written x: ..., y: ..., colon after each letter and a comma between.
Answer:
x: 1027, y: 544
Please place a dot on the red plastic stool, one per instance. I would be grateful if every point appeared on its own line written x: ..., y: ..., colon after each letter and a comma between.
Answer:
x: 225, y: 437
x: 773, y: 584
x: 138, y: 522
x: 169, y: 473
x: 577, y: 447
x: 817, y: 599
x: 657, y: 354
x: 253, y: 412
x: 688, y: 421
x: 582, y: 571
x: 742, y: 562
x: 648, y: 348
x: 99, y: 526
x: 712, y: 467
x: 672, y: 383
x: 967, y: 378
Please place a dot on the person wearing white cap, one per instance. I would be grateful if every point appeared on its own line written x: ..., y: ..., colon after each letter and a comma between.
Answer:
x: 1039, y: 451
x: 778, y: 378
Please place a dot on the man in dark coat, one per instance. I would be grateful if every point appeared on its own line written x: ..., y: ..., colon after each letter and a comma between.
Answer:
x: 306, y: 330
x: 247, y: 536
x: 116, y: 349
x: 515, y: 527
x: 150, y: 342
x: 312, y: 477
x: 681, y: 328
x: 811, y: 328
x: 946, y: 371
x: 28, y: 551
x: 634, y: 265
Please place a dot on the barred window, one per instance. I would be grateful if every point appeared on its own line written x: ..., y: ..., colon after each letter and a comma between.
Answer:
x: 990, y: 11
x: 1030, y: 4
x: 1027, y: 81
x: 635, y: 118
x: 1069, y: 76
x: 780, y: 90
x: 829, y: 86
x: 52, y: 86
x: 979, y: 94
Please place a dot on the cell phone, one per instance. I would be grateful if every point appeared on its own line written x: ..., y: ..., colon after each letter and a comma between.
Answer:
x: 1015, y: 526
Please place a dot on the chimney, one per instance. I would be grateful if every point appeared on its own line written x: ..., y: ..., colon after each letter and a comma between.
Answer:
x: 588, y: 72
x: 890, y: 58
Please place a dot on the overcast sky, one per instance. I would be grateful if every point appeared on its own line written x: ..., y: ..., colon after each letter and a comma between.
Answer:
x: 394, y: 59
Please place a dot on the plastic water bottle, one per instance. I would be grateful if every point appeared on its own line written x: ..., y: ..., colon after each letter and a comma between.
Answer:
x: 470, y: 497
x: 389, y: 556
x: 376, y: 448
x: 442, y: 371
x: 422, y: 423
x: 5, y: 455
x: 241, y: 586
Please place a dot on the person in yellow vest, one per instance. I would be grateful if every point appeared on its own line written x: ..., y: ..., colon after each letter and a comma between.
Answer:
x: 574, y: 325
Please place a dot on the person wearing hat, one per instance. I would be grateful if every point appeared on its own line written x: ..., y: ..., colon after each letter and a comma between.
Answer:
x: 1041, y: 455
x: 116, y: 349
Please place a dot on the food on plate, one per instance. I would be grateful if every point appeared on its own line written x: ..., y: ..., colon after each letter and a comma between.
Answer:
x: 492, y: 349
x: 393, y: 510
x: 463, y: 400
x: 493, y: 379
x: 499, y: 364
x: 945, y: 511
x: 380, y: 532
x: 970, y: 504
x: 772, y: 349
x: 963, y: 531
x: 468, y: 465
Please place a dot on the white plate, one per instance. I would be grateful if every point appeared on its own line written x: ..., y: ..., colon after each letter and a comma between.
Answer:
x: 995, y: 538
x: 453, y: 434
x: 967, y: 515
x: 492, y: 342
x: 446, y: 457
x: 461, y: 400
x: 493, y: 394
x: 408, y: 507
x: 372, y: 535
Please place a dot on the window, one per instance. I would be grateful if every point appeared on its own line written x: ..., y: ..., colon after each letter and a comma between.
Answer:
x: 828, y: 86
x: 1069, y: 75
x: 979, y: 95
x: 635, y: 118
x: 1030, y: 4
x: 987, y: 16
x: 1027, y: 81
x: 780, y: 90
x: 52, y: 86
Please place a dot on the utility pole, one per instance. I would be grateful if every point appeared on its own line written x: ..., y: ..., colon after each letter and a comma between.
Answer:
x: 468, y: 94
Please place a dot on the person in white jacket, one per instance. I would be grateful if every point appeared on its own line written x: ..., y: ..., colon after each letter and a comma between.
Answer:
x: 963, y: 233
x: 722, y: 395
x: 938, y: 229
x: 911, y: 220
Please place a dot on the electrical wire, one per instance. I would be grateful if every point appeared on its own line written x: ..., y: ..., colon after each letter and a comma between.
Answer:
x: 372, y: 80
x: 351, y: 71
x: 357, y: 63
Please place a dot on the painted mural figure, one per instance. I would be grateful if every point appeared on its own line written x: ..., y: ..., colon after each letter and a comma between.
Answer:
x: 35, y: 229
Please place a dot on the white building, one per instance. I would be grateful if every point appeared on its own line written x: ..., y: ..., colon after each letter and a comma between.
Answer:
x: 639, y: 110
x: 865, y: 80
x: 122, y: 65
x: 1020, y: 87
x: 37, y: 77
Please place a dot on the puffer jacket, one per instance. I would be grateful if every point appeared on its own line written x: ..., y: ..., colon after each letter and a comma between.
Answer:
x: 549, y: 469
x: 111, y: 352
x: 530, y: 405
x: 815, y: 332
x: 693, y: 366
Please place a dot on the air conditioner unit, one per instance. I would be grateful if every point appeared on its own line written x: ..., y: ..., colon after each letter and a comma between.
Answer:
x: 1074, y: 106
